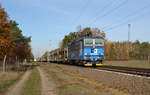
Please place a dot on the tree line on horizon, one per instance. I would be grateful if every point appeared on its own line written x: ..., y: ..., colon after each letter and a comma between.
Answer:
x: 127, y: 50
x: 13, y: 44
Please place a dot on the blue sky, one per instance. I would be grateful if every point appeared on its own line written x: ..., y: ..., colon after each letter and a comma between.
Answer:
x: 47, y: 21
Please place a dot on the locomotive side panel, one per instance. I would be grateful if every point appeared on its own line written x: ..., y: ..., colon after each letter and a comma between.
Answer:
x: 74, y: 52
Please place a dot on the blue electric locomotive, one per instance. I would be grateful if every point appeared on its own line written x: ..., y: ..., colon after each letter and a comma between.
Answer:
x: 87, y: 51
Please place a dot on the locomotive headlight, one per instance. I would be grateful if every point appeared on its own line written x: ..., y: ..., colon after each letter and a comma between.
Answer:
x: 85, y: 54
x: 101, y: 53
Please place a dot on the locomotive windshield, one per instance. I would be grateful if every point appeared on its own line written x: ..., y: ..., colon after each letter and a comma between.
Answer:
x: 88, y: 42
x: 93, y: 42
x: 99, y: 42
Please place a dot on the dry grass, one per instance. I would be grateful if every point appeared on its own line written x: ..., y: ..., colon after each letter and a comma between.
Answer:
x: 118, y: 84
x: 14, y: 67
x: 131, y: 63
x: 33, y: 84
x: 71, y: 83
x: 68, y: 84
x: 7, y: 79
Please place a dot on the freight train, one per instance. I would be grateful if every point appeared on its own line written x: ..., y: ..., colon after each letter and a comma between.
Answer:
x: 86, y: 51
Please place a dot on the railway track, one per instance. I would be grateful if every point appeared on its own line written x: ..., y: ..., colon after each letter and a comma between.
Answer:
x: 134, y: 71
x: 127, y: 70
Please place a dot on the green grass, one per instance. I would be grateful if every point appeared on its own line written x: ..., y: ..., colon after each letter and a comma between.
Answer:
x: 131, y: 63
x: 8, y: 79
x: 33, y: 84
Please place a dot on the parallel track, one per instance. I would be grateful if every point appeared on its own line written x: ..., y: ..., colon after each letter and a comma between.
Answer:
x: 127, y: 70
x: 134, y: 71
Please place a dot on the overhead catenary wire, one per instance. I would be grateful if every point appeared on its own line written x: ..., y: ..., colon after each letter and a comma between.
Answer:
x: 125, y: 22
x: 84, y: 8
x: 97, y: 14
x: 128, y: 16
x: 104, y: 8
x: 108, y: 12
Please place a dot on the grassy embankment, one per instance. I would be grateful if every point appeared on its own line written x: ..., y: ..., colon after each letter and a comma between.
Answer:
x: 68, y: 83
x: 33, y: 84
x: 131, y: 63
x: 7, y: 79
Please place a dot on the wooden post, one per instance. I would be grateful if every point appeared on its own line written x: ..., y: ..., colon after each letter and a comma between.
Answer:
x: 148, y: 59
x: 4, y: 64
x: 17, y: 66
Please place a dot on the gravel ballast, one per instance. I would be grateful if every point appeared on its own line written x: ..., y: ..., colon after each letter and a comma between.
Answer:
x: 126, y: 83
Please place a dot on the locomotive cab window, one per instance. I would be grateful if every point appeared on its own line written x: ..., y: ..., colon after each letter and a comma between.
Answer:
x: 88, y: 42
x: 99, y: 42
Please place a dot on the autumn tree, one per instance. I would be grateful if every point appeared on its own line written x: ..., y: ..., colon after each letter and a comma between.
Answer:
x: 5, y: 40
x: 12, y: 42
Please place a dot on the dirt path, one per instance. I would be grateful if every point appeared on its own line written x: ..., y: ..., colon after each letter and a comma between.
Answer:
x: 47, y: 86
x: 17, y: 88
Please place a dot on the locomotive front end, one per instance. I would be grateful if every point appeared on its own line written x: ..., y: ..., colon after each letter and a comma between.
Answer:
x: 93, y: 52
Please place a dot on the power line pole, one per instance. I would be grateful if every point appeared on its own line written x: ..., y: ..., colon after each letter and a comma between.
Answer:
x: 129, y: 28
x: 79, y: 28
x: 47, y: 56
x: 128, y: 46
